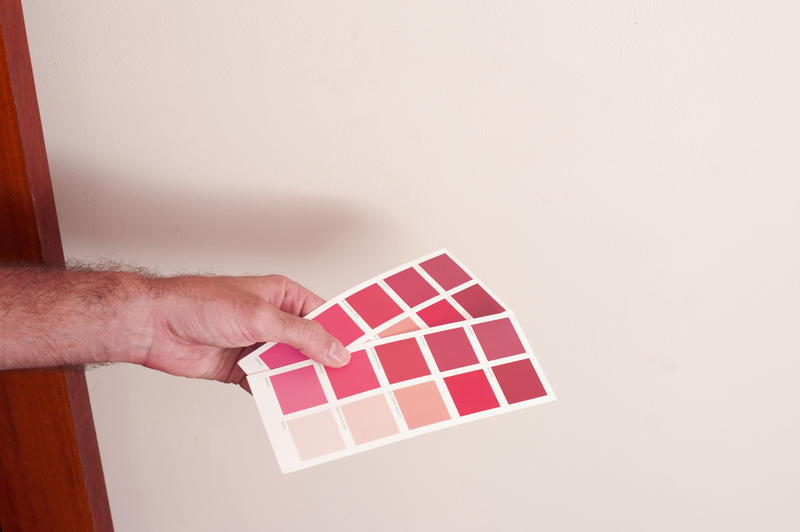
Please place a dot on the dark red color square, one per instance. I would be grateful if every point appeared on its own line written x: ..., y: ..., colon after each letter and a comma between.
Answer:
x: 498, y: 338
x: 402, y: 360
x: 471, y: 392
x: 374, y: 305
x: 519, y: 381
x: 445, y: 271
x: 440, y: 313
x: 411, y: 287
x: 477, y: 302
x: 356, y: 377
x: 339, y: 324
x: 451, y: 349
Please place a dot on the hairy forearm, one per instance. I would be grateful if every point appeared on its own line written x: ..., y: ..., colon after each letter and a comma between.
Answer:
x: 51, y: 317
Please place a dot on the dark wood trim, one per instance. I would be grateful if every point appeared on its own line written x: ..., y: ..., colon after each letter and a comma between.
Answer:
x: 51, y: 477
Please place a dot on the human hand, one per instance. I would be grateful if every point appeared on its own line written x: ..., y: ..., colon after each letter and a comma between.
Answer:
x: 202, y: 326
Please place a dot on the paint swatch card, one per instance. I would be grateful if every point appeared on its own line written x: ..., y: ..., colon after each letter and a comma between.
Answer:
x: 399, y: 386
x: 433, y: 290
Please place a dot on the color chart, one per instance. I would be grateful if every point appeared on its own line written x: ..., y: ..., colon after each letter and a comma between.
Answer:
x: 433, y: 290
x: 398, y: 387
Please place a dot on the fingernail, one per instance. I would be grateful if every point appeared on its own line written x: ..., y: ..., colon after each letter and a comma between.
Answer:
x: 338, y: 355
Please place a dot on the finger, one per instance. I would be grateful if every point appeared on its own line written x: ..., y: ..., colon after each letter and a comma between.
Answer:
x: 295, y: 298
x: 307, y: 336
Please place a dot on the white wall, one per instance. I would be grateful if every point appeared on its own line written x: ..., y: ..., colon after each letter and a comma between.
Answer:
x: 624, y: 175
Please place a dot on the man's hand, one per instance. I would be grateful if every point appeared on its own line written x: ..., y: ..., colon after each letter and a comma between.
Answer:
x: 201, y: 326
x: 190, y: 326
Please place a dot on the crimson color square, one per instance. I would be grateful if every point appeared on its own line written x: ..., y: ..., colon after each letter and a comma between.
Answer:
x: 339, y: 324
x: 519, y: 381
x: 477, y: 302
x: 471, y: 392
x: 411, y: 287
x: 356, y: 377
x: 402, y: 360
x: 440, y: 313
x: 298, y: 389
x: 374, y: 305
x: 451, y: 349
x: 445, y: 271
x: 498, y: 339
x: 280, y: 355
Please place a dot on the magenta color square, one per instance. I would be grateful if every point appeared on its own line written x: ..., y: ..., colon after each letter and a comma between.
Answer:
x: 374, y: 305
x: 356, y: 377
x: 411, y: 287
x: 477, y: 302
x: 281, y: 355
x: 519, y: 381
x: 339, y: 324
x: 498, y: 338
x: 402, y: 360
x: 451, y: 349
x: 298, y: 389
x: 445, y: 271
x: 471, y: 392
x: 440, y: 313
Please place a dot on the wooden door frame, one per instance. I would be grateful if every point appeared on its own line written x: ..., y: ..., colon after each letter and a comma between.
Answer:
x: 51, y: 477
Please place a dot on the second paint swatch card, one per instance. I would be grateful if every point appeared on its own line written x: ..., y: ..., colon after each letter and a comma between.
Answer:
x: 397, y: 388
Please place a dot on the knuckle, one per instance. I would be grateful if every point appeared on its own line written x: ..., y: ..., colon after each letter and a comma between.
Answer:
x: 310, y: 332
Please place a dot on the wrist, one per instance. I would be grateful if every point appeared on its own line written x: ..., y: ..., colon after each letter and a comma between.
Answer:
x: 134, y: 322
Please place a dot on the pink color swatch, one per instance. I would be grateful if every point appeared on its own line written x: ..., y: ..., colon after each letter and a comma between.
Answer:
x: 356, y: 377
x: 411, y: 287
x: 440, y: 313
x: 280, y: 355
x: 339, y: 324
x: 519, y: 381
x: 477, y: 301
x: 421, y: 405
x: 369, y: 419
x: 402, y: 360
x: 471, y: 392
x: 298, y: 389
x: 374, y: 305
x: 498, y: 339
x: 451, y: 349
x: 445, y: 271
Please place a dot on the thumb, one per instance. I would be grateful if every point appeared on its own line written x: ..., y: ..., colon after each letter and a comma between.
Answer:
x: 311, y: 339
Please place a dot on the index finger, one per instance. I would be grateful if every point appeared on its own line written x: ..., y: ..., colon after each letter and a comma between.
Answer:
x: 292, y: 297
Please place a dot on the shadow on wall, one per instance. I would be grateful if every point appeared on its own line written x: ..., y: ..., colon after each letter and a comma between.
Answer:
x: 124, y: 217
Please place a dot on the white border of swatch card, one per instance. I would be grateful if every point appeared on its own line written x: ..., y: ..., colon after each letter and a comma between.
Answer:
x: 283, y: 444
x: 252, y: 363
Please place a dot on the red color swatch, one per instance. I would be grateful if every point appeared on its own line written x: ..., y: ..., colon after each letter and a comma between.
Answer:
x: 440, y: 313
x: 339, y: 324
x: 477, y: 302
x: 498, y: 339
x: 451, y: 349
x: 445, y: 271
x: 374, y: 305
x: 471, y: 392
x: 356, y: 377
x: 280, y: 355
x: 411, y: 287
x: 402, y: 360
x: 519, y: 381
x: 298, y: 389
